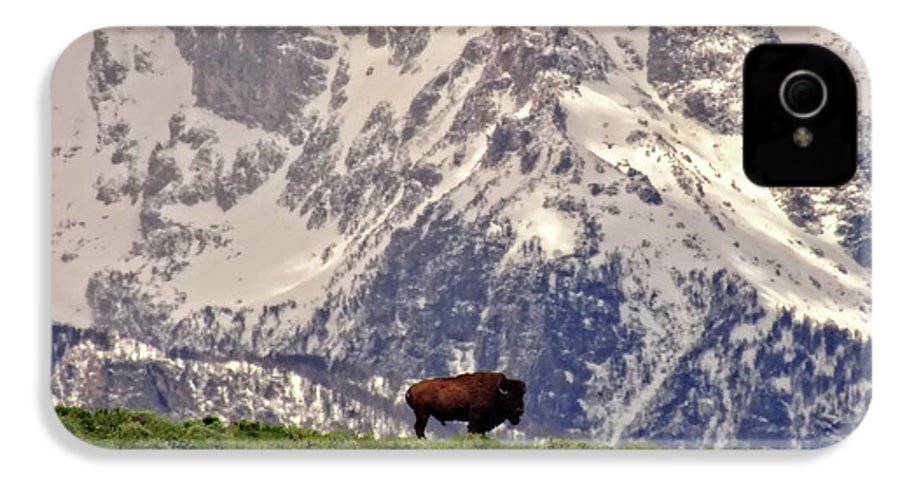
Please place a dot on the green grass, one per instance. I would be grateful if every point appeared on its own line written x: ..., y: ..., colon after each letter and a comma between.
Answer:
x: 131, y: 429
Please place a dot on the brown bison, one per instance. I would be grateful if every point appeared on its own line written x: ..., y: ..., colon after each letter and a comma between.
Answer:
x: 484, y: 399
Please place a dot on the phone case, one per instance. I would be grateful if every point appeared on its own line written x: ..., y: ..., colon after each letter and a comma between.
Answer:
x: 267, y: 237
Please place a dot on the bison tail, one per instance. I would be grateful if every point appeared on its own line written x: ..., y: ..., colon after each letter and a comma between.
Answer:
x: 409, y: 397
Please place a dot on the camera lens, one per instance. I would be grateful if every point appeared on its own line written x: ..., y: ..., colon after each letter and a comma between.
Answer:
x: 803, y: 94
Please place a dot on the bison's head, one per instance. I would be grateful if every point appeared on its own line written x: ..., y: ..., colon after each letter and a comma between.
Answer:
x: 512, y: 393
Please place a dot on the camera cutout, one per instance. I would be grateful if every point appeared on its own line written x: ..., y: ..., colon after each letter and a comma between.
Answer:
x: 800, y: 117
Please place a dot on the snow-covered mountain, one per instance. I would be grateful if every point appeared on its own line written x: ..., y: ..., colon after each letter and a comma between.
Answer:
x: 294, y: 224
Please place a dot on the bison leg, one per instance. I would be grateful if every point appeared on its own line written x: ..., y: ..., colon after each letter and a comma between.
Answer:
x: 474, y: 428
x: 421, y: 422
x: 475, y: 425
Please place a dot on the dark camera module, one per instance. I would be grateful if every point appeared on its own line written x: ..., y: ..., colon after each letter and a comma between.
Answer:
x: 803, y: 94
x: 800, y: 117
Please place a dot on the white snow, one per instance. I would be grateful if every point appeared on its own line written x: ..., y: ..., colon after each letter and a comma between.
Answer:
x: 757, y: 224
x: 273, y: 257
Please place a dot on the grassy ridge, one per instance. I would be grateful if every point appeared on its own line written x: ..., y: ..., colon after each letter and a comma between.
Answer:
x: 125, y: 428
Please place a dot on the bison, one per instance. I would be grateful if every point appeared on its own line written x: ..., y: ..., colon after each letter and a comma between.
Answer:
x: 483, y: 399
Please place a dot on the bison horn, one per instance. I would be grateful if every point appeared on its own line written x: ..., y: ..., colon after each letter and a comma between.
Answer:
x: 503, y: 392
